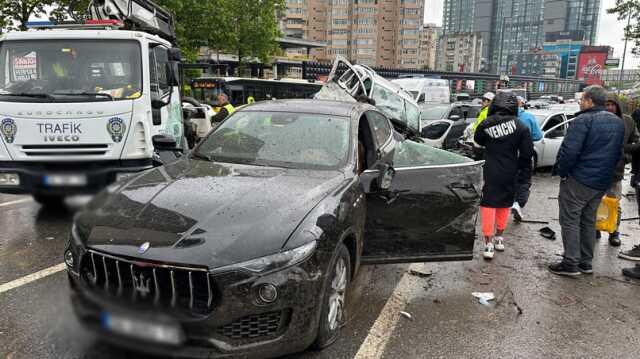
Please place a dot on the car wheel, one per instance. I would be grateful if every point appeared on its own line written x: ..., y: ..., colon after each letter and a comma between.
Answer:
x: 333, y: 313
x: 48, y: 200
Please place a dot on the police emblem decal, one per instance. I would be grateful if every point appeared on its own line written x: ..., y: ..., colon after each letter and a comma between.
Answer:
x: 116, y: 128
x: 8, y: 128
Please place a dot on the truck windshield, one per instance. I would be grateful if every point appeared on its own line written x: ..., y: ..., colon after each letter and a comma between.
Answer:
x: 70, y: 70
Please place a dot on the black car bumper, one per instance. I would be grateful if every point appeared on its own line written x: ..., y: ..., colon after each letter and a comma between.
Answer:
x: 98, y: 174
x: 238, y: 326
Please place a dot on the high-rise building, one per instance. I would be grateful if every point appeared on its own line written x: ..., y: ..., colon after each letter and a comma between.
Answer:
x: 535, y: 62
x: 567, y: 45
x: 512, y: 27
x: 369, y: 32
x: 429, y: 37
x: 461, y: 52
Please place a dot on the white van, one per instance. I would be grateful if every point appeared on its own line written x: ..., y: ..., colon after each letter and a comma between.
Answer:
x: 426, y: 90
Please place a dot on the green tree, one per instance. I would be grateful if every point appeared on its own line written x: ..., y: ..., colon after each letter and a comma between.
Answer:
x: 16, y: 13
x: 624, y: 9
x: 254, y: 27
x: 69, y: 10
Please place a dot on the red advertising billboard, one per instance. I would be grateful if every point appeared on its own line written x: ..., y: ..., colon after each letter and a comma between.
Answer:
x: 590, y: 67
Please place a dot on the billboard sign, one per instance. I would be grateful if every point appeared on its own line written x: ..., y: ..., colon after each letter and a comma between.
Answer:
x: 590, y: 67
x: 612, y: 63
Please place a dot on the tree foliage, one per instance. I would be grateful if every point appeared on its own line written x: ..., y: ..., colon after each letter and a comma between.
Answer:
x: 624, y: 9
x: 248, y: 28
x: 16, y: 13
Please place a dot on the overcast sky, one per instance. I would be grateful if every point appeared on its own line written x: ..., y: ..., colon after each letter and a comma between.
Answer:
x: 610, y: 29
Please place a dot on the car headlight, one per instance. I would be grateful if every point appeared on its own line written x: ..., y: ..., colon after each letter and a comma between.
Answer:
x: 268, y: 264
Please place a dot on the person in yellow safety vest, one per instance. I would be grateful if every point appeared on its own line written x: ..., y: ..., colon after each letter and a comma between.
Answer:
x: 486, y: 101
x: 250, y: 100
x: 226, y: 108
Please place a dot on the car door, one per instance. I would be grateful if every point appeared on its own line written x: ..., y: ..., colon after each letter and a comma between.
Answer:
x: 429, y: 211
x: 551, y: 142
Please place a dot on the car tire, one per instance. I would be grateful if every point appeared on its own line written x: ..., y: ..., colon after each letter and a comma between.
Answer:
x: 333, y: 313
x: 49, y: 200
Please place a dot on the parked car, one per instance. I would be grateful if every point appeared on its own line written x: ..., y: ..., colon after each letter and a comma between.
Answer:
x: 554, y: 125
x: 445, y: 131
x: 248, y: 246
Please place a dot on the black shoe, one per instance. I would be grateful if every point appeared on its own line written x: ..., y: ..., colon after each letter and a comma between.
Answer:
x: 614, y: 239
x: 585, y: 268
x: 633, y: 272
x: 563, y: 269
x: 598, y: 235
x: 633, y: 254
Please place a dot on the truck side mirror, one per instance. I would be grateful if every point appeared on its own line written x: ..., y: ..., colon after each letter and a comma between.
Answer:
x: 157, y: 103
x: 175, y: 54
x: 173, y: 77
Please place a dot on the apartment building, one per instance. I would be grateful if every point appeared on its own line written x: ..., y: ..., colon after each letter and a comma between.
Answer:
x: 369, y: 32
x: 429, y: 38
x: 461, y: 52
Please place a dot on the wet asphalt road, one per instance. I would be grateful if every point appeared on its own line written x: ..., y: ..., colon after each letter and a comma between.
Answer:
x: 535, y: 314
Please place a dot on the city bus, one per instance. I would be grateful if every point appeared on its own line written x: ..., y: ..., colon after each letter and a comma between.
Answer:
x: 206, y: 89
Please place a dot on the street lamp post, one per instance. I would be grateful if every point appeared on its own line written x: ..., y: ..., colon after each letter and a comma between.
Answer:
x: 624, y: 53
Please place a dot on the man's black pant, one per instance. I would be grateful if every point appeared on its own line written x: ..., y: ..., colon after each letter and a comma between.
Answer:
x: 523, y: 188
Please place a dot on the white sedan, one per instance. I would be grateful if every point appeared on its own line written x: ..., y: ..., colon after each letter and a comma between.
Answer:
x: 554, y: 125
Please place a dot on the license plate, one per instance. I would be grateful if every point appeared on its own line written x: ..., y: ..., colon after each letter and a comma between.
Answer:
x: 138, y: 328
x: 65, y: 180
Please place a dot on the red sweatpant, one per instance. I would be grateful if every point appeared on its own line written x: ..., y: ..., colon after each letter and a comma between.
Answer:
x: 491, y: 217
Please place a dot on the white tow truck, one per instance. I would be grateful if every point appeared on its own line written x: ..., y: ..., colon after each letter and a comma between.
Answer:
x: 83, y: 104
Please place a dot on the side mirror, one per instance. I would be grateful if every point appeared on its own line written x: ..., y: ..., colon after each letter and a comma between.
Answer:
x: 157, y: 103
x: 173, y: 77
x: 189, y: 112
x: 385, y: 175
x: 175, y: 54
x: 164, y: 142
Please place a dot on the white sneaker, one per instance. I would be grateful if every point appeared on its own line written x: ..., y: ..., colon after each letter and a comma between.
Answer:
x: 516, y: 211
x: 488, y: 251
x: 499, y: 244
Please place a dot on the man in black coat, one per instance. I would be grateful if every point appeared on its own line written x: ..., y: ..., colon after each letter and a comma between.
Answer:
x: 586, y: 160
x: 509, y: 150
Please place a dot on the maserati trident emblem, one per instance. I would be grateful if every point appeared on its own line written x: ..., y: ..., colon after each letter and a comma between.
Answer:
x: 141, y: 285
x: 144, y: 247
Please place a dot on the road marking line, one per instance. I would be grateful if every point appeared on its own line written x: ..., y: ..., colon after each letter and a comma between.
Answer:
x: 32, y: 277
x: 380, y: 333
x: 17, y: 201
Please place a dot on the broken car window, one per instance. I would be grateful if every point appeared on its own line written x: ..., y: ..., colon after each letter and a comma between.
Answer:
x: 412, y: 154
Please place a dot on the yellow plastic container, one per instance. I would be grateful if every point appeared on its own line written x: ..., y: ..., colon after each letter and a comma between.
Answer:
x: 607, y: 216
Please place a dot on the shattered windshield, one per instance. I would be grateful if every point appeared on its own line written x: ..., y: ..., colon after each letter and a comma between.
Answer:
x: 280, y: 139
x: 70, y: 70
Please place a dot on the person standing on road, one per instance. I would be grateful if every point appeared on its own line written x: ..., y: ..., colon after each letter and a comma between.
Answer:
x: 630, y: 145
x: 509, y: 150
x: 586, y: 159
x: 634, y: 253
x: 226, y: 108
x: 524, y: 181
x: 487, y: 98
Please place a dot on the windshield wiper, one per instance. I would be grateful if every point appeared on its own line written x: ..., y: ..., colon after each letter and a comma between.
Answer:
x: 96, y: 94
x: 201, y: 156
x: 28, y: 94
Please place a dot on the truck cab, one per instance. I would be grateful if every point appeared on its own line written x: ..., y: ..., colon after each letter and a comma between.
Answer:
x: 81, y: 107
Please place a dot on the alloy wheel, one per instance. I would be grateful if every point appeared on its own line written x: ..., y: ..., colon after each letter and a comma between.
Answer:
x: 337, y: 297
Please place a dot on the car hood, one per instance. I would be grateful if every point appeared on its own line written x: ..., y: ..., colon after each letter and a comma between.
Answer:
x: 203, y: 213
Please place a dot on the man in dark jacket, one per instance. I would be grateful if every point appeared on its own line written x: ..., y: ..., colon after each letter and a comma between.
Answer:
x: 586, y: 159
x: 509, y: 150
x: 629, y: 146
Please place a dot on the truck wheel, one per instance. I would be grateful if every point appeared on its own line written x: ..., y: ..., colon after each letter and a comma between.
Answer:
x: 333, y: 313
x: 49, y: 200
